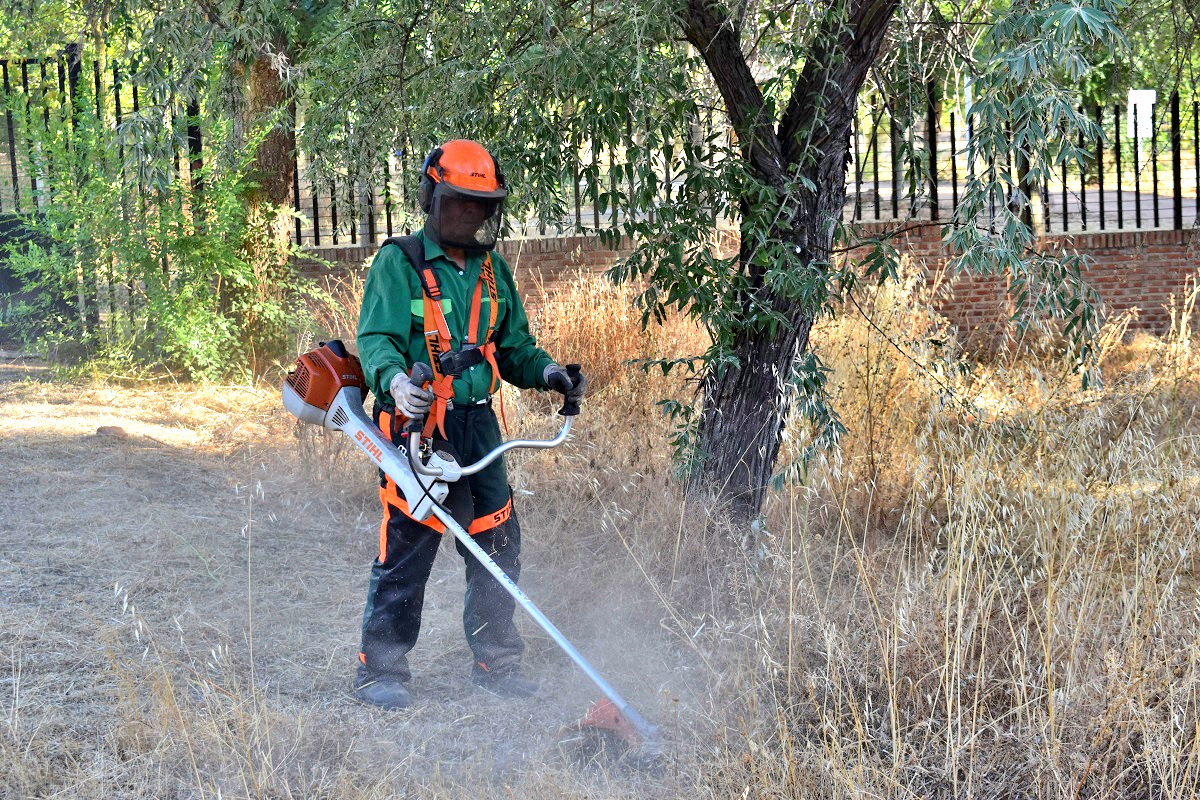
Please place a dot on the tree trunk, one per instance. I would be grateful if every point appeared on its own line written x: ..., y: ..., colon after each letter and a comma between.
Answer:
x: 744, y: 409
x: 268, y: 101
x: 745, y: 405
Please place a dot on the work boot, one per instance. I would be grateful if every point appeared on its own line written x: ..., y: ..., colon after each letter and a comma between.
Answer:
x: 385, y: 691
x: 505, y: 684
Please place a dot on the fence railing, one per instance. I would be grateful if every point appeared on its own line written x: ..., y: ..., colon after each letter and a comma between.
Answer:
x: 1132, y: 179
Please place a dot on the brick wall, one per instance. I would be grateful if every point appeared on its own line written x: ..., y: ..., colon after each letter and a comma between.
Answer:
x: 538, y: 264
x: 1129, y: 269
x: 1141, y: 269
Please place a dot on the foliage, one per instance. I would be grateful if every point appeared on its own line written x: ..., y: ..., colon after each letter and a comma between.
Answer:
x: 686, y: 118
x: 1163, y: 54
x: 1027, y: 126
x: 152, y: 268
x: 604, y: 88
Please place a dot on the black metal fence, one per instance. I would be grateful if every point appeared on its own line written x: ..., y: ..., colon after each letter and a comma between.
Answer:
x: 340, y: 211
x: 1133, y: 179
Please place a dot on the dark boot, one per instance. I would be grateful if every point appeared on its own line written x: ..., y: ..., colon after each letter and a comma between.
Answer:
x: 386, y: 691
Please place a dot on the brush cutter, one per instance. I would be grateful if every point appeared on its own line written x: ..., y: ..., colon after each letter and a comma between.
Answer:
x: 327, y: 388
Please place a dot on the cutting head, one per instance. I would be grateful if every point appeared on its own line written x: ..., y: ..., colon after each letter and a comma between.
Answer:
x: 604, y: 737
x: 311, y: 389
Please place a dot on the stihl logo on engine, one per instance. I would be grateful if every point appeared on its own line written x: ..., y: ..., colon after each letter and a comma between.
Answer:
x: 368, y: 445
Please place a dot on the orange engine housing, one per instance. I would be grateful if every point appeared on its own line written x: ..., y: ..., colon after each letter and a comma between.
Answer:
x: 320, y: 374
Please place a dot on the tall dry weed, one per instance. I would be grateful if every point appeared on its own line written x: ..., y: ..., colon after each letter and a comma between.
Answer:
x: 1022, y: 624
x: 589, y: 319
x: 334, y: 313
x: 892, y: 362
x: 990, y: 592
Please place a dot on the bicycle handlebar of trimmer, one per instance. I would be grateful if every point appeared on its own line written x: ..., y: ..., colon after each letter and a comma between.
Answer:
x: 421, y: 374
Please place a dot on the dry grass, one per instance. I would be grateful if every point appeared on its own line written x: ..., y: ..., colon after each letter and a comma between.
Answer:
x: 990, y: 592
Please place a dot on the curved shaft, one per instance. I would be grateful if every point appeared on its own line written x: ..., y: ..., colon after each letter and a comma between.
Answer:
x: 537, y: 444
x: 414, y: 446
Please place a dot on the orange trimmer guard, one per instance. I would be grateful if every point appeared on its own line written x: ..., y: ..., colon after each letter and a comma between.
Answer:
x: 602, y: 733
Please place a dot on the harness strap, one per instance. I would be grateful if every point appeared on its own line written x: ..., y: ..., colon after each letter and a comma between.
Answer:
x: 437, y: 337
x: 437, y: 341
x: 487, y: 276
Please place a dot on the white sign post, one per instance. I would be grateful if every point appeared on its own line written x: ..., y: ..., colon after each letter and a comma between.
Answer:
x: 1139, y: 123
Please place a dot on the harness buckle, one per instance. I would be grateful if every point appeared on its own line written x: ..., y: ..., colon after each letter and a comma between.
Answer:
x: 456, y: 362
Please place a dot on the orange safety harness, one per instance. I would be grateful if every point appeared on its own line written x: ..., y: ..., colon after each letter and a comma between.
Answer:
x: 437, y: 331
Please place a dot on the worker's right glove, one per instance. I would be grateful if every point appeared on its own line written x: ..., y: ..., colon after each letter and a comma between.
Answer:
x: 410, y: 399
x: 558, y: 379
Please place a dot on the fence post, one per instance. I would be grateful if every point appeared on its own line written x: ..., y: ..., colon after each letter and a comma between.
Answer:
x: 316, y: 207
x: 1154, y: 159
x: 875, y: 117
x: 574, y: 164
x: 1137, y: 167
x: 953, y: 167
x: 74, y: 72
x: 195, y: 158
x: 98, y: 91
x: 894, y: 132
x: 296, y: 191
x: 1026, y: 191
x: 1176, y: 165
x: 1082, y: 180
x: 12, y: 140
x: 368, y: 197
x: 32, y: 176
x: 596, y: 184
x: 931, y: 138
x: 856, y: 153
x: 333, y: 221
x: 1100, y: 162
x: 1117, y: 158
x: 387, y: 193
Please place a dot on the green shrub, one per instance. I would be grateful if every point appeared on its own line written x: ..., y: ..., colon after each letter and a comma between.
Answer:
x: 156, y: 269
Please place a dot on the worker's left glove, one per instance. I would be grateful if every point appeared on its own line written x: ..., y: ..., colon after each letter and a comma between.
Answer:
x: 558, y: 379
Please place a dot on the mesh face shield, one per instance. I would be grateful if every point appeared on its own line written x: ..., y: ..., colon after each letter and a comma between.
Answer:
x: 464, y: 218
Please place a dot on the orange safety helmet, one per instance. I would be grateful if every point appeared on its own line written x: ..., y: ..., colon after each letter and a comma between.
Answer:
x: 462, y: 191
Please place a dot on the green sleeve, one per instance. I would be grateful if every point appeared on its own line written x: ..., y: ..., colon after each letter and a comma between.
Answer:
x: 521, y: 361
x: 385, y: 320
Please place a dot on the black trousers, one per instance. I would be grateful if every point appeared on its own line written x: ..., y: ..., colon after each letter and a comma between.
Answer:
x: 396, y: 594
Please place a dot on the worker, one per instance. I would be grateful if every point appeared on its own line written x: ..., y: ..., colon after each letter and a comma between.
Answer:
x: 445, y: 297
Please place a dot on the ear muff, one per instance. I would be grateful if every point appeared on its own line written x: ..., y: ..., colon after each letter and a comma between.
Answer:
x: 426, y: 186
x: 499, y: 175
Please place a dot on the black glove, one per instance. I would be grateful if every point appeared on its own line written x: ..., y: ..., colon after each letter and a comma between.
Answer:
x: 558, y: 379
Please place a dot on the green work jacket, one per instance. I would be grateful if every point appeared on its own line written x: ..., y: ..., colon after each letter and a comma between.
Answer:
x: 391, y: 325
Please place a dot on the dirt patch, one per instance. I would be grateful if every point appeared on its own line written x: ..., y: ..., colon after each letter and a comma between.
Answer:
x: 182, y: 604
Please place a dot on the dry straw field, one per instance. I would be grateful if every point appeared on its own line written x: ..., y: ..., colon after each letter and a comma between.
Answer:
x: 989, y: 592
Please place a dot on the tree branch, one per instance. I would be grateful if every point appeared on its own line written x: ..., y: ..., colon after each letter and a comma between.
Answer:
x: 708, y: 27
x: 845, y: 48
